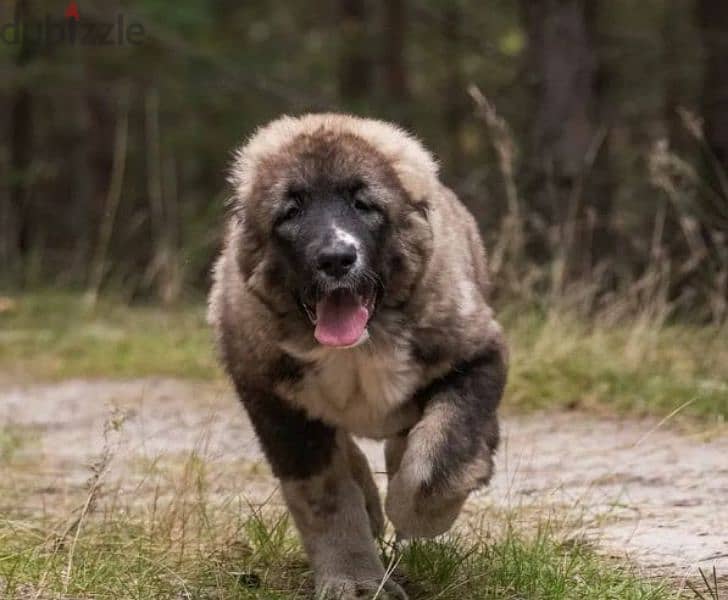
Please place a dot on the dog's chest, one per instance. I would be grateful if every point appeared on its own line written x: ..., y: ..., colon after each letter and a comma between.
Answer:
x: 361, y: 390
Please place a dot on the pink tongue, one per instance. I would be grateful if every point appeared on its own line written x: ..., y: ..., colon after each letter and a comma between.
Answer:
x: 340, y: 320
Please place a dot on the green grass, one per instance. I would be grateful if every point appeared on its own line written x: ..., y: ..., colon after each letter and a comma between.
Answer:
x: 185, y: 531
x: 55, y: 336
x: 194, y: 549
x: 516, y: 565
x: 635, y: 368
x: 557, y: 361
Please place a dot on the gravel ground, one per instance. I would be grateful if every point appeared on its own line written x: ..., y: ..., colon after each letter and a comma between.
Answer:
x: 640, y: 491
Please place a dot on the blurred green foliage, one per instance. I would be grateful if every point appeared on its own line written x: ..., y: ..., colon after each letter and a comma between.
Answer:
x: 207, y: 74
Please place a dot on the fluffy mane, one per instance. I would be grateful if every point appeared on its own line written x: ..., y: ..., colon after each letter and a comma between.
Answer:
x: 416, y: 168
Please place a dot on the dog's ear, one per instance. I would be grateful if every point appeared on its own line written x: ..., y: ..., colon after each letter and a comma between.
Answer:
x: 249, y: 243
x: 247, y: 246
x: 408, y: 252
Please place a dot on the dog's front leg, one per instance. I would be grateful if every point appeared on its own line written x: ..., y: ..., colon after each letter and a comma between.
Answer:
x: 448, y: 453
x: 327, y: 493
x: 330, y: 511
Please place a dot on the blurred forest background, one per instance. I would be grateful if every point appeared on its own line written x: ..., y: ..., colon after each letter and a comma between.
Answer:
x: 589, y: 137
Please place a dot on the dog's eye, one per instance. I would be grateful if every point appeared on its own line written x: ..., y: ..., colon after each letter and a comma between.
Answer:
x: 360, y: 202
x: 362, y: 206
x: 291, y: 209
x: 355, y: 187
x: 291, y: 212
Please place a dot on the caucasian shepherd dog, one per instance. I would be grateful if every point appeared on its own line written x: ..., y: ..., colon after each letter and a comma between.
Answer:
x: 351, y: 299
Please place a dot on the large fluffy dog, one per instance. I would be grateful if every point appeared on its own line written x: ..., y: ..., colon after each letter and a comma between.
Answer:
x: 350, y: 298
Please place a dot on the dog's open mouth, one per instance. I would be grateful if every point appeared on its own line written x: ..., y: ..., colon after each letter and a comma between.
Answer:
x: 341, y: 317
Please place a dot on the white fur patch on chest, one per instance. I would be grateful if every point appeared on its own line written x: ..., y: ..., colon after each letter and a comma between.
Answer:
x: 363, y: 389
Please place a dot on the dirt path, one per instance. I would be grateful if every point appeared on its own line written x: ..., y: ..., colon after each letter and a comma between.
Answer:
x: 652, y: 495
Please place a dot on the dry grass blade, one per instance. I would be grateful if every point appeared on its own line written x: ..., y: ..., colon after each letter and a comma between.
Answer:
x: 710, y: 586
x: 98, y: 469
x: 695, y: 591
x: 510, y: 242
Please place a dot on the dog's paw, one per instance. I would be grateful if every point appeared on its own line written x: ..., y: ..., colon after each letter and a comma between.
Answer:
x: 345, y: 588
x: 415, y: 512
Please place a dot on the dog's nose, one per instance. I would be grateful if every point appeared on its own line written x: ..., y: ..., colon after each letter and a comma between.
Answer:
x: 337, y: 260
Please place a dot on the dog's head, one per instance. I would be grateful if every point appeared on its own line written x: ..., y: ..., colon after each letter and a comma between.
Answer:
x: 329, y: 230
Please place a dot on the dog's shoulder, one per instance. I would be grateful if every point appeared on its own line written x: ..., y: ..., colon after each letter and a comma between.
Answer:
x: 450, y: 312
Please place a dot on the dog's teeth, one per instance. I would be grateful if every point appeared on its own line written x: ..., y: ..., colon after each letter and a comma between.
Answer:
x: 311, y: 313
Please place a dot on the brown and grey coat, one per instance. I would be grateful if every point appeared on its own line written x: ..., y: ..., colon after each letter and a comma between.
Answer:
x: 427, y: 378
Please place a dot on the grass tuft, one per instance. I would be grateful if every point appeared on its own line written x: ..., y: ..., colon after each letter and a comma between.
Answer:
x: 563, y: 362
x: 231, y: 556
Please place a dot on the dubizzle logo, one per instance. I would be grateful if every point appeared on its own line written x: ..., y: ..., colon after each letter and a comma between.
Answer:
x: 72, y: 30
x: 72, y: 11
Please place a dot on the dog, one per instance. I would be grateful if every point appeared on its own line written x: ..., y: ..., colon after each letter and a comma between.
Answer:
x: 350, y: 299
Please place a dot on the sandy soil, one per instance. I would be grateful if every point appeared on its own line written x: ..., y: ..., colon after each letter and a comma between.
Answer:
x: 639, y: 491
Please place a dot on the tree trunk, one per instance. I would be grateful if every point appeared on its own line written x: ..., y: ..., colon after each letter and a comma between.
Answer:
x: 566, y: 138
x: 113, y: 199
x: 671, y: 65
x: 81, y: 181
x: 100, y: 114
x: 7, y: 224
x: 355, y: 66
x: 16, y: 216
x: 561, y: 54
x: 163, y: 271
x: 454, y: 93
x: 395, y: 70
x: 713, y: 16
